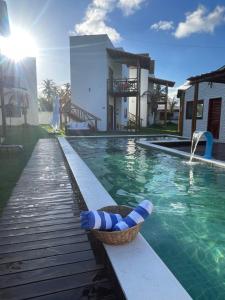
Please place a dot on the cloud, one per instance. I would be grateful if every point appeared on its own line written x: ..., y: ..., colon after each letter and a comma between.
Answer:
x: 163, y: 25
x: 96, y: 16
x: 129, y: 6
x: 173, y: 91
x: 95, y: 19
x: 200, y: 21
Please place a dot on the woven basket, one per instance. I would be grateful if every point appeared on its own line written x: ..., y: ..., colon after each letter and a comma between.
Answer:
x: 117, y: 237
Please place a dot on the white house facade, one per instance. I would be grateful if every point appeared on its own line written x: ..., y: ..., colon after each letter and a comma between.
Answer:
x: 104, y: 81
x: 210, y: 114
x: 110, y: 83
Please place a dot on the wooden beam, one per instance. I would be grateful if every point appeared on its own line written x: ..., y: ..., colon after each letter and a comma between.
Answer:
x: 194, y: 108
x: 166, y: 102
x: 114, y: 114
x: 60, y: 113
x: 181, y: 114
x: 138, y: 104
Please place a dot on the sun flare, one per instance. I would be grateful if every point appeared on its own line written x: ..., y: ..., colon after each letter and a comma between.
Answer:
x: 18, y: 45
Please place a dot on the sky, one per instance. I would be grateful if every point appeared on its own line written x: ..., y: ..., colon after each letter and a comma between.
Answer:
x: 184, y: 38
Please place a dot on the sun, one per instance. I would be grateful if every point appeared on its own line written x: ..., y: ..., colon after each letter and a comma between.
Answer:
x: 18, y: 45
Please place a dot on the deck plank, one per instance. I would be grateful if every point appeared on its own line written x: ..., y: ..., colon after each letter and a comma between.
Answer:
x: 43, y: 251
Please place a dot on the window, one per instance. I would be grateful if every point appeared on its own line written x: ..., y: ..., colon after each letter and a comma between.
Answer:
x: 189, y: 108
x: 200, y: 107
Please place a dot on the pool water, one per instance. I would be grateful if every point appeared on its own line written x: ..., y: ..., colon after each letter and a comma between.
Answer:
x: 187, y: 228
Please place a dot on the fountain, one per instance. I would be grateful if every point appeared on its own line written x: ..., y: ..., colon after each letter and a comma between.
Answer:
x: 209, y: 143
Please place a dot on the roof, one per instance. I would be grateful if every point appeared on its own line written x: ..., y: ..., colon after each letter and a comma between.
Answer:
x: 161, y: 81
x: 130, y: 59
x: 214, y: 76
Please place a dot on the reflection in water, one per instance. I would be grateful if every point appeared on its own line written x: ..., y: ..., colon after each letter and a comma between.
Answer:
x: 191, y: 176
x: 187, y: 226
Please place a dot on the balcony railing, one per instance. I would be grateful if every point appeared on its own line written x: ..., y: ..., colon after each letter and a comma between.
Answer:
x: 123, y: 86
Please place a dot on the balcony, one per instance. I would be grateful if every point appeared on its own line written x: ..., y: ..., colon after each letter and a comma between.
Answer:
x: 123, y: 87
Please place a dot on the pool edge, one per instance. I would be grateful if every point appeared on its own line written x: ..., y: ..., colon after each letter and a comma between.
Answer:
x: 155, y: 278
x: 176, y: 152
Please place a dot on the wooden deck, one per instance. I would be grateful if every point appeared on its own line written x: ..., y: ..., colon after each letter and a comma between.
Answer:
x: 43, y: 252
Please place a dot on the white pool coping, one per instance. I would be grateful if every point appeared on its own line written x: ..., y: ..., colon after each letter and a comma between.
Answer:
x: 139, y: 270
x: 212, y: 162
x: 126, y: 135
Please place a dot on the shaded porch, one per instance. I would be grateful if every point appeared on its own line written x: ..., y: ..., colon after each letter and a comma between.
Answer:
x: 120, y: 89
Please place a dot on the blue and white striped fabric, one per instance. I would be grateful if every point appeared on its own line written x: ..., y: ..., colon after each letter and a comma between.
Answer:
x: 94, y: 219
x: 138, y: 215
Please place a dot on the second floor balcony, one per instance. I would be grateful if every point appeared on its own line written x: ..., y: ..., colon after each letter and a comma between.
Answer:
x: 123, y: 87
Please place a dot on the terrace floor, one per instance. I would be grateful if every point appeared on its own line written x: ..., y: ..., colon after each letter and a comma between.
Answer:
x: 43, y: 252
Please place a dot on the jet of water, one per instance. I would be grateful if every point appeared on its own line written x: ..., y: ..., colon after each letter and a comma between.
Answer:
x: 194, y: 143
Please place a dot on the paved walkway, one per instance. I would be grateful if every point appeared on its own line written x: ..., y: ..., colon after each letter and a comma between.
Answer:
x: 43, y: 252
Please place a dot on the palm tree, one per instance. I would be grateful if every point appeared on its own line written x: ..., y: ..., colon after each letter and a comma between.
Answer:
x: 49, y: 90
x: 65, y: 93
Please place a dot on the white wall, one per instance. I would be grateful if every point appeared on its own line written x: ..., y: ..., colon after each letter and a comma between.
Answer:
x: 205, y: 93
x: 132, y: 100
x: 45, y: 117
x: 89, y: 74
x: 143, y: 88
x: 144, y: 99
x: 25, y: 72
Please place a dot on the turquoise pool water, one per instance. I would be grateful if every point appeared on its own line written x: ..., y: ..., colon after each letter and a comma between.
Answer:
x: 187, y: 229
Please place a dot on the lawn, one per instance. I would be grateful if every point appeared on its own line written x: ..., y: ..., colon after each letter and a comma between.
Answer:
x: 11, y: 165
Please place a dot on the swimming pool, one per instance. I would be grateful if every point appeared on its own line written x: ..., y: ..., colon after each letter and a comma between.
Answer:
x: 187, y: 227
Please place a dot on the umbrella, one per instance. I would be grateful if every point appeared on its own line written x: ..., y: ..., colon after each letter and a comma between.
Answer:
x: 56, y: 114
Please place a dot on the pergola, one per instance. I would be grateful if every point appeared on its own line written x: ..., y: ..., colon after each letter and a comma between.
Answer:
x: 12, y: 84
x: 136, y: 60
x: 163, y: 97
x: 217, y: 76
x: 4, y: 31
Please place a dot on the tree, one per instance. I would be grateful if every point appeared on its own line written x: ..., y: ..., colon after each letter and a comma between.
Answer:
x: 172, y: 103
x: 44, y: 105
x: 65, y: 93
x: 49, y: 90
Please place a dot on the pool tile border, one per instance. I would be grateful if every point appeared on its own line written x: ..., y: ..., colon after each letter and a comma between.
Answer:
x: 212, y: 162
x: 155, y: 280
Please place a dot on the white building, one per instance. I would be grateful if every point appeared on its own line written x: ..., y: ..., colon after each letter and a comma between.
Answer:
x: 210, y: 113
x: 20, y: 91
x: 109, y: 82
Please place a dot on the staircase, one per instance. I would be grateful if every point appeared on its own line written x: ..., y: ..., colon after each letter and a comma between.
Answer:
x: 132, y: 121
x: 78, y: 114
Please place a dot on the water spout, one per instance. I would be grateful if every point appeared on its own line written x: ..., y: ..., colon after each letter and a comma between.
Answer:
x: 209, y: 143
